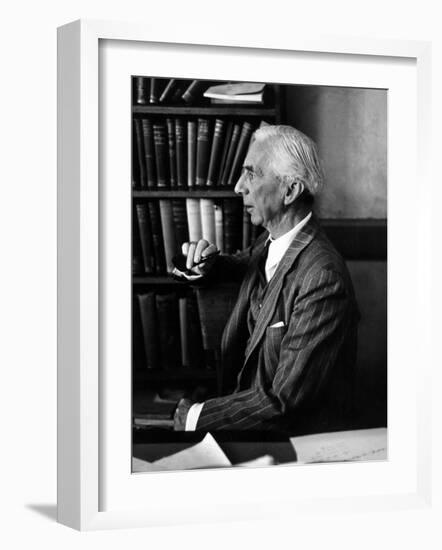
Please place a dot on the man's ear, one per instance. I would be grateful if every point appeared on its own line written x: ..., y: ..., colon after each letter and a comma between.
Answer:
x: 293, y: 190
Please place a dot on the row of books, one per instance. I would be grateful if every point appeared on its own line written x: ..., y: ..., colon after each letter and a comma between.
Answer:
x: 165, y: 91
x: 179, y: 153
x: 161, y: 226
x: 169, y: 328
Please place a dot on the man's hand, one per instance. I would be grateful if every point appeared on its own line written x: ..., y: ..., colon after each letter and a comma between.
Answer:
x: 196, y: 252
x: 180, y: 416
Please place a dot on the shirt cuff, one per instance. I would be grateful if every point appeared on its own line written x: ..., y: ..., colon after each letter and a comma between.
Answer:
x: 192, y: 416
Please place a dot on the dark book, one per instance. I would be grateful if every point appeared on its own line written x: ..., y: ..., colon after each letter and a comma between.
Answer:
x: 141, y: 90
x: 139, y: 143
x: 149, y: 152
x: 154, y: 90
x: 191, y: 153
x: 138, y: 353
x: 136, y: 177
x: 245, y: 229
x: 173, y: 91
x: 227, y: 138
x: 192, y: 354
x: 161, y: 153
x: 232, y: 218
x: 180, y: 222
x: 172, y: 152
x: 202, y: 152
x: 149, y: 323
x: 143, y: 218
x: 194, y: 91
x: 181, y: 152
x: 137, y: 252
x: 240, y: 153
x: 168, y: 229
x: 215, y: 153
x: 169, y: 330
x: 231, y: 153
x: 168, y: 91
x: 255, y: 232
x: 157, y: 237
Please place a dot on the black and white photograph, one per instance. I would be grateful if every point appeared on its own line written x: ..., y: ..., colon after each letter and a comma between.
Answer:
x: 259, y: 274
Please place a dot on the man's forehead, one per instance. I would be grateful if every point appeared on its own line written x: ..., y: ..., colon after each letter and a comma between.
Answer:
x: 256, y: 155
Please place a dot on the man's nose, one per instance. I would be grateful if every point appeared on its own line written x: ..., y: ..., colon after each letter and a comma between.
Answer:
x: 240, y: 187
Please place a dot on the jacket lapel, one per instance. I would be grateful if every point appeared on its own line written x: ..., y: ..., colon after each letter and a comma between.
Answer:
x: 301, y: 240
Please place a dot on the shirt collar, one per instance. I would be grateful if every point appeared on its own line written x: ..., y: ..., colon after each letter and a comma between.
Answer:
x: 278, y: 247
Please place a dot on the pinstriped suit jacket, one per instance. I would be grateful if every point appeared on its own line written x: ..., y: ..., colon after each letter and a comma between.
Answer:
x: 297, y: 377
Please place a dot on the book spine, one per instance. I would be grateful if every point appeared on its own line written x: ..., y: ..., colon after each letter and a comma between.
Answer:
x: 240, y: 153
x: 191, y: 153
x: 202, y: 152
x: 140, y: 152
x: 215, y: 154
x: 137, y: 252
x: 172, y: 152
x: 161, y: 153
x: 145, y: 237
x: 184, y: 332
x: 157, y: 237
x: 194, y: 336
x: 168, y: 91
x: 193, y: 92
x: 219, y: 227
x: 169, y: 330
x: 180, y: 222
x: 232, y: 225
x: 149, y: 152
x: 180, y: 138
x: 245, y: 229
x: 167, y: 226
x: 231, y: 153
x: 194, y: 219
x: 136, y: 177
x: 147, y: 304
x: 141, y: 85
x: 208, y: 220
x: 154, y: 85
x: 227, y: 138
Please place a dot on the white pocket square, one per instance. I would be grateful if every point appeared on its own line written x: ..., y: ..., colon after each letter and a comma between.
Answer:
x: 278, y: 324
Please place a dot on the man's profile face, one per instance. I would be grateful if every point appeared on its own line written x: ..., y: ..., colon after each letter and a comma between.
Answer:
x: 262, y: 191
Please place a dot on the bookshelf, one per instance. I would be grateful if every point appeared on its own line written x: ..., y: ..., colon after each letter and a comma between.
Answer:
x: 158, y: 129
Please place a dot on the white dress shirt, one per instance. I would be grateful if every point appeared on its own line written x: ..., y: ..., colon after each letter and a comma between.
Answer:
x: 277, y: 248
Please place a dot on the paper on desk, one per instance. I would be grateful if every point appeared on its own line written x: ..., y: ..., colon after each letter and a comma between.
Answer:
x: 342, y: 446
x: 205, y: 454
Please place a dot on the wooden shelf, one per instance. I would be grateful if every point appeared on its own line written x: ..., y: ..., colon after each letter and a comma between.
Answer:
x: 215, y: 110
x: 214, y: 193
x: 156, y: 280
x: 181, y: 374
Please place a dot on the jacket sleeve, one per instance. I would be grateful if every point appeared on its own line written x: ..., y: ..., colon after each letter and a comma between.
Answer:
x: 307, y: 354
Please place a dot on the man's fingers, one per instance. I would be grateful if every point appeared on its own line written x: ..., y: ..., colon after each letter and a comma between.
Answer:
x: 211, y: 249
x: 190, y: 255
x: 202, y: 245
x: 185, y: 248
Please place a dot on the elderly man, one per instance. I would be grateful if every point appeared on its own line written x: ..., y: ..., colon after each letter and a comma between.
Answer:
x: 290, y: 342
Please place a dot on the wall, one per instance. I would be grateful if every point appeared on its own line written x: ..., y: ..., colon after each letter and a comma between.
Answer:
x: 350, y: 129
x: 349, y: 126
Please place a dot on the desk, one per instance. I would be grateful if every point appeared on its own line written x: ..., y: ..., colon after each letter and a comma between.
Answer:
x: 243, y: 446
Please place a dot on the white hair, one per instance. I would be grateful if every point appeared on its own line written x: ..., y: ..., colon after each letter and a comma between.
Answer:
x: 292, y: 156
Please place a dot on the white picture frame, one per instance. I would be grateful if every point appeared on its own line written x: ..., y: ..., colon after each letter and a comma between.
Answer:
x: 83, y: 402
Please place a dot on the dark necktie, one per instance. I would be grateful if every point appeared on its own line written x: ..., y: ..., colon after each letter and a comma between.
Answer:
x: 263, y: 259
